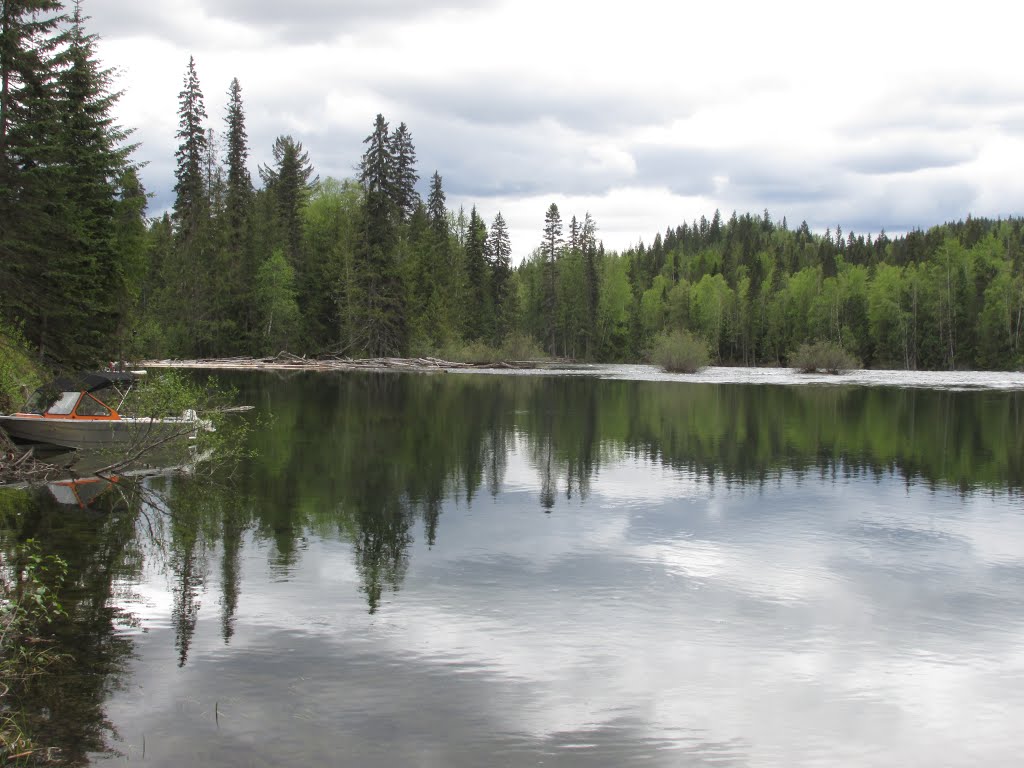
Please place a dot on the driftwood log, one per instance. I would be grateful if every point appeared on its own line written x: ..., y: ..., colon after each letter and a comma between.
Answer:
x: 288, y: 361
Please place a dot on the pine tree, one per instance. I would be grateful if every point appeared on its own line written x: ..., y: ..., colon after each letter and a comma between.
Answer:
x: 290, y: 182
x: 444, y: 304
x: 552, y: 247
x: 29, y: 175
x: 404, y: 176
x: 237, y: 262
x: 190, y: 204
x: 479, y: 314
x: 238, y: 199
x: 94, y: 157
x: 591, y: 277
x: 436, y: 207
x: 376, y: 168
x: 192, y: 278
x: 62, y: 213
x: 380, y: 324
x: 499, y: 253
x: 26, y: 43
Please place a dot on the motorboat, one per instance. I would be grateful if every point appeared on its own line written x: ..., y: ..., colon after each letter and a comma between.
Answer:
x: 69, y: 413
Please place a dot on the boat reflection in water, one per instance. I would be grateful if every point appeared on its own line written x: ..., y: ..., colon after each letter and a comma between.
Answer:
x: 81, y: 492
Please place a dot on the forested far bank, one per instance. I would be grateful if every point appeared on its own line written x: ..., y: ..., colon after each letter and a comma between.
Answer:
x: 367, y: 267
x: 379, y: 265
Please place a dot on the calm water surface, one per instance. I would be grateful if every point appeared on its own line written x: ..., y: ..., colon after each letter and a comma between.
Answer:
x: 465, y: 570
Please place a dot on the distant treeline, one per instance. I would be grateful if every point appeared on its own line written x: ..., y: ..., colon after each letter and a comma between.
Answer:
x: 366, y: 267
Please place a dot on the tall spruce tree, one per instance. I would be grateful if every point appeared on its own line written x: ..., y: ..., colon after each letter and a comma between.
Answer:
x: 551, y: 247
x: 190, y: 278
x: 237, y: 262
x: 190, y: 203
x: 238, y: 199
x: 403, y: 175
x: 499, y: 254
x: 62, y: 210
x: 591, y: 277
x: 380, y: 326
x: 479, y: 317
x: 290, y: 181
x: 94, y: 154
x: 29, y: 175
x: 436, y: 207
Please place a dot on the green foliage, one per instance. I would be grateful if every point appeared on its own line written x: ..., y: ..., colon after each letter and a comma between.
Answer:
x: 30, y: 584
x: 680, y: 351
x: 822, y: 356
x: 164, y: 393
x: 67, y: 192
x: 278, y: 309
x: 517, y: 347
x: 19, y: 375
x: 369, y: 269
x: 520, y: 347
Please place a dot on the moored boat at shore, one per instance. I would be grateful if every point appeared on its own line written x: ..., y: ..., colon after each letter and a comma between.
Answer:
x: 69, y: 413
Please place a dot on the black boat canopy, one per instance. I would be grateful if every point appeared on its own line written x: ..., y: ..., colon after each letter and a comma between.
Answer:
x: 92, y: 381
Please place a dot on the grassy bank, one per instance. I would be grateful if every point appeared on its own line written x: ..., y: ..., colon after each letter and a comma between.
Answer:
x: 19, y: 372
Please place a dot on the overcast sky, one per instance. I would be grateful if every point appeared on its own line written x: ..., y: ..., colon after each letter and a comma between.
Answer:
x: 647, y: 114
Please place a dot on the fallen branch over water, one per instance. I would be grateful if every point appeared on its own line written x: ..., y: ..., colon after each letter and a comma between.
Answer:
x: 18, y: 465
x: 288, y: 361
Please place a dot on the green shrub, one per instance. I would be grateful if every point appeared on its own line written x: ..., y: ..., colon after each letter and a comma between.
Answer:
x: 824, y: 356
x: 680, y: 352
x: 468, y: 352
x: 521, y: 347
x: 19, y: 375
x: 30, y: 585
x: 518, y: 347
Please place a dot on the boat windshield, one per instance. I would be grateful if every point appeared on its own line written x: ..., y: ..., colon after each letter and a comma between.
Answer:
x: 64, y: 404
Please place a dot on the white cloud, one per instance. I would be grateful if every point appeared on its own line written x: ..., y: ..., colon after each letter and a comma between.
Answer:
x: 896, y: 115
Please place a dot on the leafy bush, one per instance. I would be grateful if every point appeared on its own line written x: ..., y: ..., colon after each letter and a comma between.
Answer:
x: 680, y: 352
x: 824, y: 356
x: 171, y: 393
x: 30, y: 583
x: 18, y: 373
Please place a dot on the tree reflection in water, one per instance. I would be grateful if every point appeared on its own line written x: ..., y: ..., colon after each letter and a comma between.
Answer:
x: 374, y: 459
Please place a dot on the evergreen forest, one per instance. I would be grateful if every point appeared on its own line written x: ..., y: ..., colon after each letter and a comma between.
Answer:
x: 366, y: 266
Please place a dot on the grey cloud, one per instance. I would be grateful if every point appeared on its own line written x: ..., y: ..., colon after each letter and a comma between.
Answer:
x: 298, y: 21
x: 693, y: 171
x: 116, y: 18
x: 316, y: 20
x: 896, y: 208
x: 844, y: 190
x: 500, y: 160
x: 520, y: 104
x: 685, y: 171
x: 1013, y: 124
x: 934, y: 109
x: 906, y: 159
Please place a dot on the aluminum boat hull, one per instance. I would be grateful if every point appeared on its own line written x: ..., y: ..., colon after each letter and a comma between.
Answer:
x: 85, y: 433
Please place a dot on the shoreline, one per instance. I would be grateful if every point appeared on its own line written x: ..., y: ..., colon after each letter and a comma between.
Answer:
x: 770, y: 376
x: 285, y: 361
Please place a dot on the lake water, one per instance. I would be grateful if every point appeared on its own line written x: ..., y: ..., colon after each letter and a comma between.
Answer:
x: 589, y: 569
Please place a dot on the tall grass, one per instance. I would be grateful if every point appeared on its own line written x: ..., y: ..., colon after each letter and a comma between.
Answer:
x: 517, y: 347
